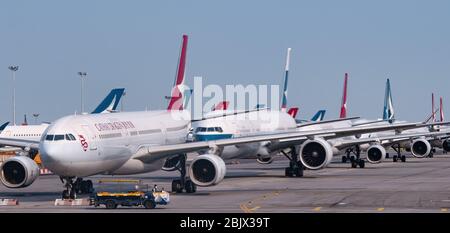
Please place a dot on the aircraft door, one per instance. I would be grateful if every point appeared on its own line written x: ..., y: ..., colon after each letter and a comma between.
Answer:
x: 89, y: 137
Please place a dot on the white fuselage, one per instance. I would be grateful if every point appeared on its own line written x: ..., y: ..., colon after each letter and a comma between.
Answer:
x: 241, y: 125
x: 105, y: 143
x: 26, y: 132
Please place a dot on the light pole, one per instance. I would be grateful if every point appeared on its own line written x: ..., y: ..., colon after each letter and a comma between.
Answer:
x: 83, y: 77
x: 35, y: 115
x: 13, y: 70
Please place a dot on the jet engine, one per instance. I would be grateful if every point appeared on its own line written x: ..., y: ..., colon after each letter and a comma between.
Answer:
x: 263, y: 156
x: 446, y: 145
x: 18, y: 172
x: 264, y: 159
x: 420, y: 148
x: 207, y: 170
x: 376, y: 154
x: 315, y: 154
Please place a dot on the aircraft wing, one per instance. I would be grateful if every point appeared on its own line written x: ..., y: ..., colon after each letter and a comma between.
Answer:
x: 151, y: 153
x: 387, y: 140
x: 302, y: 124
x: 21, y: 143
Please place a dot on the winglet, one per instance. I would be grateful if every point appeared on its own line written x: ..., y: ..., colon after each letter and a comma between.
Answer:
x: 388, y: 110
x: 441, y: 110
x: 319, y: 116
x: 433, y: 114
x: 110, y: 102
x: 344, y: 99
x: 2, y: 127
x: 221, y: 106
x: 176, y: 102
x: 285, y: 87
x: 293, y: 112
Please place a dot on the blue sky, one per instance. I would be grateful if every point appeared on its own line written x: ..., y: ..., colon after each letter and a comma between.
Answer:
x: 135, y: 44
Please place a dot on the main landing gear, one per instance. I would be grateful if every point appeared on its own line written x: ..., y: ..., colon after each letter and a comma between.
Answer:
x: 183, y: 183
x: 295, y: 167
x: 80, y: 186
x: 355, y: 159
x: 433, y: 150
x: 399, y: 155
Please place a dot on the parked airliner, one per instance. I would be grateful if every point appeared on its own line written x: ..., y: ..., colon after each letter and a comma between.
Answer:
x: 79, y: 146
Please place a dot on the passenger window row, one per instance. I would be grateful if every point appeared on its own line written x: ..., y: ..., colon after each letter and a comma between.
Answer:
x: 112, y: 135
x: 27, y: 135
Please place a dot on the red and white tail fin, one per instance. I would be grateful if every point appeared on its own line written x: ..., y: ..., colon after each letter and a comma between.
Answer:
x: 176, y: 98
x: 293, y: 112
x: 441, y: 110
x: 221, y: 106
x: 344, y: 99
x: 433, y: 113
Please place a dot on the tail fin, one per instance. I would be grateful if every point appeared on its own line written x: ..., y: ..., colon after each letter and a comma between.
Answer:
x: 344, y: 99
x: 285, y: 87
x: 2, y: 127
x: 25, y: 122
x: 433, y: 113
x: 293, y: 112
x: 176, y: 102
x: 441, y: 110
x: 221, y: 105
x: 388, y: 110
x: 319, y: 115
x: 110, y: 102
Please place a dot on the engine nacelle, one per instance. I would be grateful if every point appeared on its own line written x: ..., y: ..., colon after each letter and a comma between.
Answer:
x: 18, y: 172
x: 264, y: 160
x: 207, y: 170
x: 263, y: 156
x: 316, y: 154
x: 420, y: 148
x: 376, y: 154
x: 446, y: 145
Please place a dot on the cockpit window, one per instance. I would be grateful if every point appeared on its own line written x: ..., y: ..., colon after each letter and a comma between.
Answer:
x: 209, y: 129
x: 59, y: 137
x: 49, y: 137
x: 70, y: 137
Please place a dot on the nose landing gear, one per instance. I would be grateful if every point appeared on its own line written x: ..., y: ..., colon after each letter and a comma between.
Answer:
x: 80, y: 186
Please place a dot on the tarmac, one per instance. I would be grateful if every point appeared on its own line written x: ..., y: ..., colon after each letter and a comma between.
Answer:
x: 418, y: 185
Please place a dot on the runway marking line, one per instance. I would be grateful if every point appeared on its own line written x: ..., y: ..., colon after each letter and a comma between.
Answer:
x: 266, y: 196
x: 244, y: 208
x: 380, y: 209
x: 317, y: 208
x: 255, y: 208
x: 444, y: 210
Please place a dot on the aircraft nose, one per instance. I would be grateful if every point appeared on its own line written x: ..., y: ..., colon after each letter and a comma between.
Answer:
x: 49, y: 154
